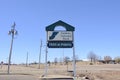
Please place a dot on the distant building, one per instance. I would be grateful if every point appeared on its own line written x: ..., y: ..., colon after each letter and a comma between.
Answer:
x: 110, y: 62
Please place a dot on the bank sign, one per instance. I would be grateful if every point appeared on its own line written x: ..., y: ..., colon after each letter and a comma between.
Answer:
x: 60, y: 39
x: 60, y: 36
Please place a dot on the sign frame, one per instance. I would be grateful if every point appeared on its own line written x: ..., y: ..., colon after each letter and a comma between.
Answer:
x: 58, y: 43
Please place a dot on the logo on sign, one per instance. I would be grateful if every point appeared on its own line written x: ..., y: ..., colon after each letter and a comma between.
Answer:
x: 60, y: 36
x: 53, y: 35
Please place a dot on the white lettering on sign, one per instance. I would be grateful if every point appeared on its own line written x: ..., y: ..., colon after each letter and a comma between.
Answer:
x: 60, y: 44
x: 60, y: 36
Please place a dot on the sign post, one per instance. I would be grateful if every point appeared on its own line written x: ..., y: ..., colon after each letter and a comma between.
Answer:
x: 60, y: 39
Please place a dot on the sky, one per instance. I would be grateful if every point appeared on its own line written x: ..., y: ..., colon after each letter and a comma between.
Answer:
x: 96, y: 22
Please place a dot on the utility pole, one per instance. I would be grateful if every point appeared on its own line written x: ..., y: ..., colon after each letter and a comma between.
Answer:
x: 40, y: 54
x: 11, y: 32
x: 27, y: 60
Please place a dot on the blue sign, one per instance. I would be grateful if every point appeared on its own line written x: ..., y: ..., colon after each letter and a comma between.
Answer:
x: 60, y: 44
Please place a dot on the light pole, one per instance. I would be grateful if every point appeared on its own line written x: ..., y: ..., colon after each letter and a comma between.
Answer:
x: 11, y: 32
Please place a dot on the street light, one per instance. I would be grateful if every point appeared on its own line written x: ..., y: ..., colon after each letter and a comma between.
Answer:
x: 11, y: 32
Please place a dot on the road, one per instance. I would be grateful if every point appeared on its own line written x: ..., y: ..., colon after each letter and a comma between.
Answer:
x: 18, y: 77
x: 27, y: 77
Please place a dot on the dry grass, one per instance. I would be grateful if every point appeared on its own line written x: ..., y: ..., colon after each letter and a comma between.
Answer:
x: 94, y: 72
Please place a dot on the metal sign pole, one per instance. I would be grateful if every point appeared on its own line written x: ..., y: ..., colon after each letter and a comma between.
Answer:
x: 74, y: 65
x: 46, y: 51
x: 46, y: 63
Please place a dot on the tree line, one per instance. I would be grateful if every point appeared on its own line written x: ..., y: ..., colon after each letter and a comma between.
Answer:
x: 106, y: 59
x: 92, y: 57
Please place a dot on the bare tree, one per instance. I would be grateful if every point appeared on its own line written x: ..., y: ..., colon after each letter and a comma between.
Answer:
x: 56, y: 61
x: 49, y: 63
x: 1, y: 64
x: 92, y: 56
x: 61, y: 61
x: 117, y: 59
x: 107, y: 59
x: 66, y: 60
